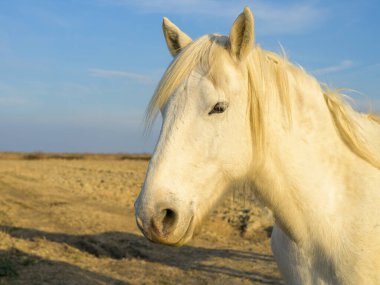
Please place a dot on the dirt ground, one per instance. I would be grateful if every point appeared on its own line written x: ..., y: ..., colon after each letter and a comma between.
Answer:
x: 71, y: 221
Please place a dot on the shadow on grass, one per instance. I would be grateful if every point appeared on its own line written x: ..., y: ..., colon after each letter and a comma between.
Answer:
x: 122, y: 245
x: 18, y: 267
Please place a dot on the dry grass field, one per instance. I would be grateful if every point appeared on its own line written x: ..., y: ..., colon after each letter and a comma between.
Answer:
x: 69, y: 219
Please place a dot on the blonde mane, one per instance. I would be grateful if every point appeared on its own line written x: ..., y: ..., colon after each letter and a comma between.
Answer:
x: 268, y: 74
x: 359, y: 131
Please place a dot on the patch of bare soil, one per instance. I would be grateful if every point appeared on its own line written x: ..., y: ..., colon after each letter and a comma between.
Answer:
x: 72, y: 222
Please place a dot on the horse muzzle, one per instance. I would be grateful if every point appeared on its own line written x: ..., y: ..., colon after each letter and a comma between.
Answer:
x: 164, y: 224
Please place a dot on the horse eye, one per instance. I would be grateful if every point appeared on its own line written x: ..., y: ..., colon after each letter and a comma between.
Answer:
x: 219, y: 107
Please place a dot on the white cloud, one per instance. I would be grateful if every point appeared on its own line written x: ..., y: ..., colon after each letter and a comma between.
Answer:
x: 273, y: 18
x: 343, y: 65
x: 106, y: 73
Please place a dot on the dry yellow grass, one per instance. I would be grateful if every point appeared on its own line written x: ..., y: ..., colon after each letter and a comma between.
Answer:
x: 71, y: 221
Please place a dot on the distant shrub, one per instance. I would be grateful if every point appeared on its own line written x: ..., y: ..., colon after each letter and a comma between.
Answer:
x: 135, y: 157
x: 66, y: 156
x: 33, y: 156
x: 73, y: 156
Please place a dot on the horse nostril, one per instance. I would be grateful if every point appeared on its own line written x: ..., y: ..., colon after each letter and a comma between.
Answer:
x: 164, y: 222
x: 170, y: 218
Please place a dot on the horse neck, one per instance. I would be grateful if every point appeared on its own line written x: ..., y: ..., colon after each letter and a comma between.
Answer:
x: 304, y: 178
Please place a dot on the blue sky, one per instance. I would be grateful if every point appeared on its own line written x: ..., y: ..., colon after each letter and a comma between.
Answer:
x: 76, y: 75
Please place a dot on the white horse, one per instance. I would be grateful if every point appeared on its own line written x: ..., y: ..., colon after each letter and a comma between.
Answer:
x: 234, y: 112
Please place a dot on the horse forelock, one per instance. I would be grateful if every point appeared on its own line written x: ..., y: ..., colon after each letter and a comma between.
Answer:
x: 202, y: 53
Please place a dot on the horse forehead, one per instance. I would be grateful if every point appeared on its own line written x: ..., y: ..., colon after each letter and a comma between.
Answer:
x: 223, y: 79
x: 198, y: 80
x: 229, y: 77
x: 221, y: 76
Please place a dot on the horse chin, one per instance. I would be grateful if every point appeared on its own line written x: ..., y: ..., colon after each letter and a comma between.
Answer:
x: 177, y: 238
x: 184, y: 238
x: 188, y: 235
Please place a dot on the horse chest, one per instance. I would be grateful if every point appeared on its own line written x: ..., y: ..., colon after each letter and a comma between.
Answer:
x: 300, y: 267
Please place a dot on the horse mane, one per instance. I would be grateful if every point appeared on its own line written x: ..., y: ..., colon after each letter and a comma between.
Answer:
x: 359, y: 131
x: 269, y: 74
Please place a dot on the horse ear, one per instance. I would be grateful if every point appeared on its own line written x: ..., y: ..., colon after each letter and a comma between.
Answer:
x: 175, y: 38
x: 242, y: 35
